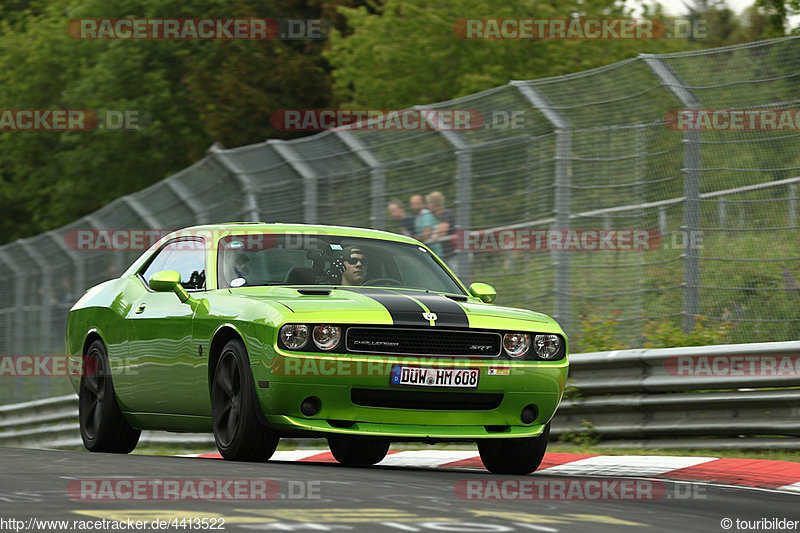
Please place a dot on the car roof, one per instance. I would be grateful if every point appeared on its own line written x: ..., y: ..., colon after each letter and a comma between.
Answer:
x: 232, y: 228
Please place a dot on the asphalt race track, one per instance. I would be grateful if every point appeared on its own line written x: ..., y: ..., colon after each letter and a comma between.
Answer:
x: 47, y: 485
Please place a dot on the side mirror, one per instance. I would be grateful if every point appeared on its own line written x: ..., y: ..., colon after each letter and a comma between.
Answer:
x: 484, y: 291
x: 165, y: 280
x: 170, y: 281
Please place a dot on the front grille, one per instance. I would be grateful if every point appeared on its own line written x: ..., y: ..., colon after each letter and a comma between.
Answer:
x: 408, y: 341
x: 427, y: 400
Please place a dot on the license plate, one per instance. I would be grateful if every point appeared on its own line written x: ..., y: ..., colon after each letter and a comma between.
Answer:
x: 462, y: 378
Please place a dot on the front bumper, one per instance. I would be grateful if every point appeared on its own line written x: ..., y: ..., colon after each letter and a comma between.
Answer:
x: 331, y: 379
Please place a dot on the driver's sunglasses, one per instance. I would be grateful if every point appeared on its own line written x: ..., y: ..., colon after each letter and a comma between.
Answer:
x: 355, y: 260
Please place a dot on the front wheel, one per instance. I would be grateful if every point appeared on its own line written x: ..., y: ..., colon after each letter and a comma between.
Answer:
x: 103, y: 428
x: 354, y: 451
x: 237, y: 431
x: 514, y: 456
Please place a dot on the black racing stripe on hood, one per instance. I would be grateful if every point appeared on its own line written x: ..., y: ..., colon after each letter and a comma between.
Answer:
x: 404, y: 310
x: 448, y: 313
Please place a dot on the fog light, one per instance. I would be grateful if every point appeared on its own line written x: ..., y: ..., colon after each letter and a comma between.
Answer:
x: 310, y: 406
x: 529, y: 414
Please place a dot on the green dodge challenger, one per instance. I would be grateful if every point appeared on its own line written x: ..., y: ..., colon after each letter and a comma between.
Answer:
x: 255, y: 331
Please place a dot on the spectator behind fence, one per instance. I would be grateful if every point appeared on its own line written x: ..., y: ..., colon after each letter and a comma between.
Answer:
x: 398, y: 212
x: 445, y: 224
x: 424, y: 221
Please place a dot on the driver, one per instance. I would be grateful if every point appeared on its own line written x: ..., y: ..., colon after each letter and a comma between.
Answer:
x: 355, y: 267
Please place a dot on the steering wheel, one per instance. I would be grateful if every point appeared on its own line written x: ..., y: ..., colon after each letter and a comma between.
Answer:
x: 382, y: 281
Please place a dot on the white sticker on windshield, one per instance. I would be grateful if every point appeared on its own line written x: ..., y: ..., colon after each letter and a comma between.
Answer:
x: 238, y: 282
x: 422, y: 249
x: 237, y: 244
x: 336, y: 246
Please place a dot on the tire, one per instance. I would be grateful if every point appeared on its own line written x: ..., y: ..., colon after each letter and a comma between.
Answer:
x: 514, y: 456
x: 103, y: 428
x: 354, y: 451
x: 239, y: 434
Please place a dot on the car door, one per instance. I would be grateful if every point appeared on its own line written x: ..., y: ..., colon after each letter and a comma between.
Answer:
x: 159, y: 329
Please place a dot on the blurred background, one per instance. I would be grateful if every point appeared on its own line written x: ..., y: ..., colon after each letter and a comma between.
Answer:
x: 590, y: 150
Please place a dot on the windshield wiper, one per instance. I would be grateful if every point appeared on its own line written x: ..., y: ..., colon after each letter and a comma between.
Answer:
x: 456, y: 297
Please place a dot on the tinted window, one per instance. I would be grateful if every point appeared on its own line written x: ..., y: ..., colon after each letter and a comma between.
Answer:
x: 188, y: 257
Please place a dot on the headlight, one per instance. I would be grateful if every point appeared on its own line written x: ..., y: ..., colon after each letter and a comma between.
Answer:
x: 326, y: 337
x: 516, y: 344
x: 294, y: 336
x: 547, y: 346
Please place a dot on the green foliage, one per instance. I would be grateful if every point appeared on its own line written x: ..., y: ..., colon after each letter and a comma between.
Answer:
x: 776, y: 14
x: 381, y: 55
x: 667, y: 334
x: 195, y: 93
x: 395, y: 56
x: 572, y: 392
x: 598, y: 333
x: 586, y: 436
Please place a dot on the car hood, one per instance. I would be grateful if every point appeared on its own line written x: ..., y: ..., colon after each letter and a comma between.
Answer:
x: 408, y: 307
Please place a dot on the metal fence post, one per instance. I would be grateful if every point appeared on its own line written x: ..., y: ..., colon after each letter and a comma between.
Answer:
x: 691, y: 187
x: 562, y: 184
x: 79, y: 283
x: 245, y: 180
x: 310, y: 202
x: 793, y: 204
x: 463, y: 202
x: 46, y: 287
x: 79, y: 277
x: 118, y: 261
x: 186, y: 197
x: 377, y: 218
x: 640, y: 171
x: 17, y: 321
x: 45, y: 310
x: 141, y: 211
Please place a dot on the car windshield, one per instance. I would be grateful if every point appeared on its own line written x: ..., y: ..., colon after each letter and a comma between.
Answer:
x: 298, y: 259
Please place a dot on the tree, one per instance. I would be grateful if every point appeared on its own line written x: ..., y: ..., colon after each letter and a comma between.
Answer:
x: 195, y: 93
x: 777, y: 14
x: 405, y: 52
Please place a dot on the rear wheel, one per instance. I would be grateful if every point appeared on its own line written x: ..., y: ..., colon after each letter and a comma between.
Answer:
x: 237, y: 431
x: 354, y: 451
x: 103, y: 428
x: 514, y: 456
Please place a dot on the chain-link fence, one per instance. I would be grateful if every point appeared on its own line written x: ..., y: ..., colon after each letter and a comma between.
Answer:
x: 587, y: 151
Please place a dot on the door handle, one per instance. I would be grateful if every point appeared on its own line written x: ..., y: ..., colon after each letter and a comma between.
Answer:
x: 140, y: 309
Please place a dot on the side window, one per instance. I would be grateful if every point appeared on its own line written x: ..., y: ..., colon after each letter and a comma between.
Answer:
x: 187, y: 257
